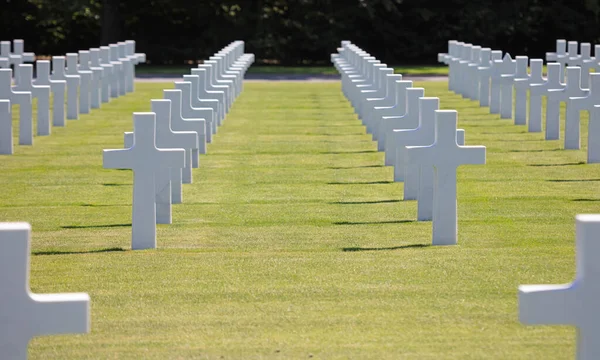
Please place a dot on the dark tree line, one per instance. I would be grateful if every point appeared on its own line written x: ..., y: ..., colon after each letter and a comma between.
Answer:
x: 296, y: 32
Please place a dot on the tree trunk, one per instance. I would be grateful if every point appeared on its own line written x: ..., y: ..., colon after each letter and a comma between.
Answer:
x: 112, y: 24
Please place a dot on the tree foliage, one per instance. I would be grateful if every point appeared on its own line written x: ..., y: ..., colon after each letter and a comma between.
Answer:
x: 299, y: 31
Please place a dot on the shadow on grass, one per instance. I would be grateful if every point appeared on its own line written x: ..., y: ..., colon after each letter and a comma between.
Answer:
x: 585, y: 200
x: 58, y: 252
x: 412, y: 246
x: 361, y: 183
x: 573, y: 180
x: 525, y: 151
x: 373, y: 222
x: 364, y: 202
x: 354, y: 167
x: 101, y: 205
x: 115, y: 184
x: 561, y: 164
x: 94, y: 226
x: 348, y: 152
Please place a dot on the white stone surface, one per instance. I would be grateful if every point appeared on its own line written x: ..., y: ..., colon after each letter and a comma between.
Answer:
x: 178, y: 123
x: 409, y: 120
x: 384, y: 107
x: 575, y: 105
x: 501, y: 69
x: 21, y: 98
x: 6, y: 133
x: 204, y: 92
x: 128, y: 65
x: 26, y: 315
x: 571, y: 304
x: 85, y: 58
x: 521, y: 84
x: 537, y: 90
x: 118, y: 87
x: 445, y: 155
x: 381, y: 128
x: 472, y: 85
x: 198, y: 102
x: 107, y: 71
x: 85, y: 88
x: 4, y: 54
x: 561, y: 56
x: 485, y: 75
x: 41, y: 93
x: 73, y: 82
x: 593, y: 156
x: 188, y: 111
x: 145, y: 159
x: 168, y: 184
x: 572, y: 88
x: 58, y: 88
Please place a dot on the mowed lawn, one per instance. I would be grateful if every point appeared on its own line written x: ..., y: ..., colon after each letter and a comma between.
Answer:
x: 294, y: 242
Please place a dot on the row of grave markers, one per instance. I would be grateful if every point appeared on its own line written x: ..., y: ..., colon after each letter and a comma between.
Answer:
x: 483, y: 75
x: 163, y: 142
x: 89, y: 78
x: 471, y: 70
x: 420, y: 141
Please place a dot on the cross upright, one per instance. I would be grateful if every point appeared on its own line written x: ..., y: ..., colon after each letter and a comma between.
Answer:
x: 25, y: 315
x: 575, y: 105
x: 409, y: 120
x: 145, y: 159
x: 573, y: 51
x: 507, y: 77
x: 555, y: 96
x: 40, y: 92
x: 58, y: 88
x: 485, y: 74
x: 586, y: 63
x: 445, y: 155
x: 23, y: 98
x: 521, y: 83
x: 537, y: 90
x: 6, y: 129
x: 561, y: 49
x: 472, y: 91
x: 73, y: 81
x: 381, y: 126
x: 120, y: 70
x: 4, y: 54
x: 168, y: 183
x: 571, y: 304
x: 85, y: 84
x: 85, y: 58
x: 188, y: 110
x: 205, y: 93
x: 198, y: 101
x: 106, y: 76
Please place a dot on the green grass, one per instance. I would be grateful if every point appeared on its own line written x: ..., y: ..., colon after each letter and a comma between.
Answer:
x: 293, y: 241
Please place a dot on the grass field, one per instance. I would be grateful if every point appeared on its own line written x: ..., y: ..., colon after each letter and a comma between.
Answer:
x: 294, y: 243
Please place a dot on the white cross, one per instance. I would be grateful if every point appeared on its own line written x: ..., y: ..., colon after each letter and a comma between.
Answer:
x: 385, y: 107
x: 145, y: 160
x: 178, y: 123
x: 25, y: 315
x: 502, y: 77
x: 445, y: 155
x: 168, y: 184
x: 4, y: 54
x: 23, y: 99
x: 85, y: 90
x: 40, y: 92
x: 409, y: 120
x: 561, y: 49
x: 128, y: 65
x: 188, y: 110
x: 107, y: 70
x: 85, y: 58
x: 120, y: 71
x: 73, y: 81
x: 399, y: 109
x: 58, y: 88
x: 485, y: 73
x: 587, y: 63
x: 571, y: 304
x: 573, y: 123
x: 573, y: 56
x: 6, y: 133
x: 521, y: 84
x: 205, y: 93
x: 537, y: 90
x: 472, y: 91
x: 555, y: 96
x: 105, y: 58
x: 199, y: 102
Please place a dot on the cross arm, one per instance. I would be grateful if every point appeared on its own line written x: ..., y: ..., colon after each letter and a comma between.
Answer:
x: 117, y: 159
x: 171, y: 158
x: 62, y: 313
x: 474, y: 155
x: 546, y: 304
x: 419, y: 155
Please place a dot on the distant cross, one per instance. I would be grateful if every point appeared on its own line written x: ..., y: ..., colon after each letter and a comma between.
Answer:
x: 106, y: 73
x: 575, y: 105
x: 120, y: 73
x: 587, y: 63
x: 73, y: 82
x: 485, y: 72
x: 4, y: 54
x: 445, y: 155
x: 537, y: 90
x: 473, y: 82
x: 85, y: 84
x: 199, y: 101
x: 145, y: 160
x: 521, y: 84
x: 40, y: 92
x: 167, y: 183
x: 382, y: 126
x: 23, y: 99
x: 6, y: 130
x: 24, y: 315
x: 85, y: 58
x: 555, y: 96
x: 58, y: 88
x: 188, y: 110
x: 571, y: 304
x: 409, y: 120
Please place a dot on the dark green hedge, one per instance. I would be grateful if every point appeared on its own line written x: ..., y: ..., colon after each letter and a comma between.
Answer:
x: 294, y: 32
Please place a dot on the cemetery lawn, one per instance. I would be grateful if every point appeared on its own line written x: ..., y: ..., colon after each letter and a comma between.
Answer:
x: 293, y: 241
